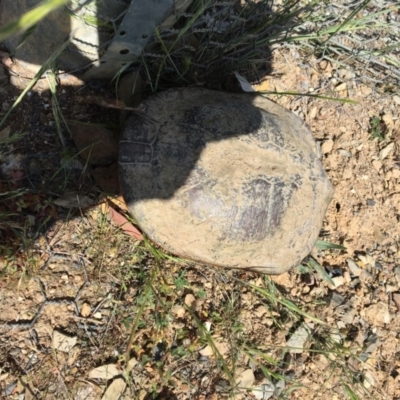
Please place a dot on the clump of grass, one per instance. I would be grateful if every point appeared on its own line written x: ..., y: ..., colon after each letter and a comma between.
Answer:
x: 377, y: 129
x: 214, y: 39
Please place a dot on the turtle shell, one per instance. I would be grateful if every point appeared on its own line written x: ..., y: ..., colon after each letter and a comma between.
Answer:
x: 228, y: 179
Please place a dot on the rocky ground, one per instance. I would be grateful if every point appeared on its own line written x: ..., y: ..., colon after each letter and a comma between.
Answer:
x: 89, y: 310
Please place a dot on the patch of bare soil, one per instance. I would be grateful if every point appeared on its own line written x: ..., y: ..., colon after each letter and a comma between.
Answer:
x: 70, y: 301
x: 362, y: 160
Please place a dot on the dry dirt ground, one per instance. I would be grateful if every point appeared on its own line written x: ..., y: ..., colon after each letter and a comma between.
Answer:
x: 71, y: 296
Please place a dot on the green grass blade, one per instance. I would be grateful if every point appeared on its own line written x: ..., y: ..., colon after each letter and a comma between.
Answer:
x: 349, y: 20
x: 318, y: 267
x: 211, y: 343
x: 322, y: 245
x: 282, y: 300
x: 34, y: 80
x: 57, y: 113
x: 350, y: 392
x: 340, y: 100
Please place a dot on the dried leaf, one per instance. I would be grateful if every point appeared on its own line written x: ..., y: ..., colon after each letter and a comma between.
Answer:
x: 124, y: 224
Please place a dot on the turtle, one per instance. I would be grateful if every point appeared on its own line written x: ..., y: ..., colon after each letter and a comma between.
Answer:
x: 222, y: 178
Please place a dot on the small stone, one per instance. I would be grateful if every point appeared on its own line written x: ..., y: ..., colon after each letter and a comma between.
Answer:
x: 372, y: 347
x: 367, y: 259
x: 377, y: 165
x: 387, y: 119
x: 190, y: 301
x: 313, y: 113
x: 344, y: 153
x: 340, y: 87
x: 365, y: 276
x: 327, y: 146
x: 369, y: 379
x: 284, y: 280
x: 337, y: 299
x: 376, y: 314
x: 390, y: 288
x: 178, y: 311
x: 85, y: 310
x: 396, y: 99
x: 3, y: 377
x: 260, y: 311
x: 354, y: 268
x: 354, y: 364
x: 337, y: 281
x: 396, y: 299
x: 97, y: 315
x: 348, y: 318
x: 396, y: 173
x: 244, y: 378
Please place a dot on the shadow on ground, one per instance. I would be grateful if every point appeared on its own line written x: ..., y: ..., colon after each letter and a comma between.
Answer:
x: 59, y: 151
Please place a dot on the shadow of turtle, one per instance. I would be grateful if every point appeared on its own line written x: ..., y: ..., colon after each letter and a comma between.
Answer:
x: 144, y: 145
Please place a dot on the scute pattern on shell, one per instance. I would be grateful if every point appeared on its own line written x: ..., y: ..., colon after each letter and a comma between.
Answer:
x: 228, y: 179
